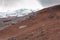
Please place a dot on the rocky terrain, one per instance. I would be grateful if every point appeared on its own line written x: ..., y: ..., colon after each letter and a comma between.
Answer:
x: 41, y: 25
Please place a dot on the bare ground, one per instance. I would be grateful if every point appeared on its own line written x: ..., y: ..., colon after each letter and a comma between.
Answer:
x: 45, y: 25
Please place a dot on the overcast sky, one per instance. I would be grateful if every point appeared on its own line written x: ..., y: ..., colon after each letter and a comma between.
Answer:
x: 10, y: 5
x: 47, y: 3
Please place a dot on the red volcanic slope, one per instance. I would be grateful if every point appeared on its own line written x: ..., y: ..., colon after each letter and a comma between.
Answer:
x: 43, y: 25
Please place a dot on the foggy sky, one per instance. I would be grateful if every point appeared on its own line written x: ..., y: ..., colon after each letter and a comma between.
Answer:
x: 10, y: 5
x: 47, y: 3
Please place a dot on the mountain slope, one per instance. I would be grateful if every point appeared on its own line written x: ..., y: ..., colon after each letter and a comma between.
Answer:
x: 44, y: 25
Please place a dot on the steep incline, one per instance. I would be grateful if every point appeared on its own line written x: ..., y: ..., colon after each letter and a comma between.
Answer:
x: 43, y: 25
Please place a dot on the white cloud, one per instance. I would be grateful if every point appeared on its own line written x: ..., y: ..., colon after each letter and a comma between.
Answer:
x: 10, y: 5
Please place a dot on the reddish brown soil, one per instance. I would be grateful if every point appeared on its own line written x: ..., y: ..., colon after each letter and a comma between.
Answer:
x: 45, y: 25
